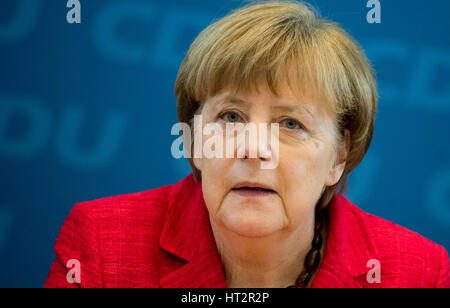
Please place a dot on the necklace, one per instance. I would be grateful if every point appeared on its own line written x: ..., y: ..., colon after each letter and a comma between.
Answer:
x: 312, y: 259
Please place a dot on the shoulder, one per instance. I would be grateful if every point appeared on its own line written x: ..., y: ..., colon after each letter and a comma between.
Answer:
x: 127, y: 219
x: 406, y: 256
x: 150, y: 204
x: 114, y: 238
x: 128, y: 222
x: 393, y: 239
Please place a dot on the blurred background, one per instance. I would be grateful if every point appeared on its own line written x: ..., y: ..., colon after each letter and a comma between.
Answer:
x: 86, y: 111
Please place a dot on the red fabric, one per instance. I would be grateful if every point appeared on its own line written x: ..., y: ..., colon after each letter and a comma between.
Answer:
x: 162, y: 238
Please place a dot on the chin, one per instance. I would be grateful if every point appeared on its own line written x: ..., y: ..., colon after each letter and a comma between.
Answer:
x: 252, y: 227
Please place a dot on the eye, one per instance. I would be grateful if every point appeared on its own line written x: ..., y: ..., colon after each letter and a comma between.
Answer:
x: 292, y: 124
x: 230, y: 116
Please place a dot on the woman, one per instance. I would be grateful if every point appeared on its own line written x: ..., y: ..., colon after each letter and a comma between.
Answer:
x: 231, y: 223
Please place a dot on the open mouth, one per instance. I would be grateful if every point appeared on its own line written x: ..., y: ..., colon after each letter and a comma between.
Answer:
x: 253, y: 191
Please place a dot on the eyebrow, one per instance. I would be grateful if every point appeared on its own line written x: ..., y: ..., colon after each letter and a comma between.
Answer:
x: 286, y: 108
x: 232, y: 99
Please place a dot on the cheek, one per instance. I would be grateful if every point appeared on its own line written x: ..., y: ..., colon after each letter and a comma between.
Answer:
x: 215, y: 181
x: 309, y: 162
x: 303, y: 172
x: 216, y: 177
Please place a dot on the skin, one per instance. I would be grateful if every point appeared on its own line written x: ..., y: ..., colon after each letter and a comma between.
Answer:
x: 263, y: 241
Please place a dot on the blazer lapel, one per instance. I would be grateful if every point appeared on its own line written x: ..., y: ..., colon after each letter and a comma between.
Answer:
x: 204, y: 271
x: 349, y: 247
x: 187, y: 235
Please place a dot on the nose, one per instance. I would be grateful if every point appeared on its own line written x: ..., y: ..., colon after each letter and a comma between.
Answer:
x: 255, y: 146
x: 261, y: 154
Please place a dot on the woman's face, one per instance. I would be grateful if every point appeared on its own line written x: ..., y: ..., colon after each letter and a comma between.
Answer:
x: 307, y: 157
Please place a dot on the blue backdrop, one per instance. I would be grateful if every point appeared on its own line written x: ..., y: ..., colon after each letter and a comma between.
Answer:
x: 86, y: 111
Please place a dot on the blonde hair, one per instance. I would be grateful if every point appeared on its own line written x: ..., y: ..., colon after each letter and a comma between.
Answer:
x: 287, y: 43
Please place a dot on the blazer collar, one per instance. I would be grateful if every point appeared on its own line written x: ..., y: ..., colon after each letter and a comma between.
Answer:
x: 187, y: 234
x: 350, y: 245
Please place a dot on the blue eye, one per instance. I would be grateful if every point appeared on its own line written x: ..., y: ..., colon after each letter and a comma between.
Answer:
x: 230, y: 116
x: 292, y: 124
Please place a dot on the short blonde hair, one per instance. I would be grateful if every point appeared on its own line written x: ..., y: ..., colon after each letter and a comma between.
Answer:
x: 273, y: 39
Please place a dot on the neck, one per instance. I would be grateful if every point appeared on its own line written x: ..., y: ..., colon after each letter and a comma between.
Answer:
x: 272, y: 261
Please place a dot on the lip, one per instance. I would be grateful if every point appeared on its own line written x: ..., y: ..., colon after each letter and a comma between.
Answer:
x: 252, y: 185
x: 252, y: 191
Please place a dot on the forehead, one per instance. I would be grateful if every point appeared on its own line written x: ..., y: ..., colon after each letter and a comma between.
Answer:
x: 287, y: 101
x: 290, y: 86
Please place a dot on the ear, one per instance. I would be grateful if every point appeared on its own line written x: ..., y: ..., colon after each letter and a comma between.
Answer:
x: 341, y: 158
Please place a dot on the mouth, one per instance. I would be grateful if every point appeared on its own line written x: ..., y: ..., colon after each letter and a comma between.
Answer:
x: 252, y: 190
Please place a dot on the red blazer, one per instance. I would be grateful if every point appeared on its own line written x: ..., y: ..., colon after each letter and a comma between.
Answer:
x: 162, y: 238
